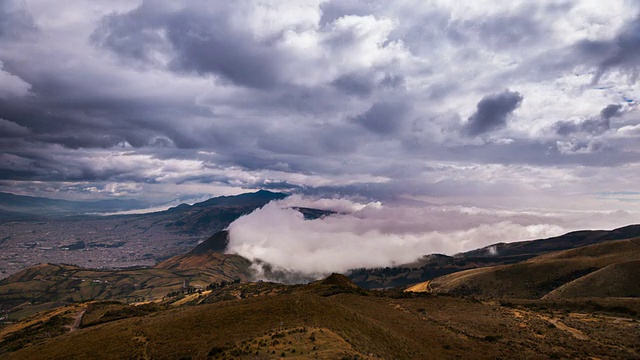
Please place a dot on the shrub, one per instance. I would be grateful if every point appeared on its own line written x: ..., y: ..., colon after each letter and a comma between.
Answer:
x: 492, y: 338
x: 216, y: 350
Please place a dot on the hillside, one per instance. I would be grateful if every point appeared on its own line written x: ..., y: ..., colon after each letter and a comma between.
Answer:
x: 547, y: 307
x: 215, y: 243
x: 213, y: 215
x: 328, y: 319
x: 621, y: 279
x: 212, y: 261
x: 608, y: 269
x: 436, y: 265
x: 47, y: 286
x: 209, y: 256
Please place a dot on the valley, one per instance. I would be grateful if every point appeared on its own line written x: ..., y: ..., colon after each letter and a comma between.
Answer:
x: 112, y: 242
x: 96, y: 242
x: 571, y: 296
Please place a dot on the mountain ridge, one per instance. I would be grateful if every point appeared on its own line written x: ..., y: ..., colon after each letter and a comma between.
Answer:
x: 435, y: 265
x: 556, y: 275
x: 43, y: 206
x: 328, y: 319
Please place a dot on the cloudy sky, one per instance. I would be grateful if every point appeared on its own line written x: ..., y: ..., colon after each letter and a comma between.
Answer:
x: 513, y: 105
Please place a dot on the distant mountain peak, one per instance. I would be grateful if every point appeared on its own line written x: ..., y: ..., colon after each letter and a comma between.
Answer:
x: 264, y: 192
x: 260, y: 197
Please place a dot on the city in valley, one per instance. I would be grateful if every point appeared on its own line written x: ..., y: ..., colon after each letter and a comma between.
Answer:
x: 97, y: 242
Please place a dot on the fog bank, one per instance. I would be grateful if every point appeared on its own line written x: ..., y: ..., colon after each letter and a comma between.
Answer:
x: 377, y: 235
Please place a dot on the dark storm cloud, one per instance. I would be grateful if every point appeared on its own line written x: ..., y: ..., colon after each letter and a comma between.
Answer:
x: 610, y: 111
x: 133, y: 35
x: 82, y: 140
x: 364, y: 83
x: 522, y: 25
x: 10, y: 129
x: 196, y: 40
x: 73, y: 122
x: 594, y: 126
x: 83, y: 107
x: 15, y: 20
x: 622, y: 53
x: 393, y: 81
x: 349, y: 93
x: 354, y: 84
x: 383, y: 118
x: 591, y: 126
x: 492, y: 112
x: 537, y: 152
x: 50, y: 164
x: 325, y: 139
x: 89, y: 105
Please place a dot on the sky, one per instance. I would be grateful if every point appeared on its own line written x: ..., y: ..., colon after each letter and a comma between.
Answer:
x: 513, y: 105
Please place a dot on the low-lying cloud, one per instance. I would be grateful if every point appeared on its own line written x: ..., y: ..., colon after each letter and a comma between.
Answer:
x: 370, y: 235
x: 283, y: 245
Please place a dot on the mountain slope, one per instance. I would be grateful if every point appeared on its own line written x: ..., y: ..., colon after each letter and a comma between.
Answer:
x: 547, y: 274
x: 213, y: 215
x: 255, y: 199
x: 209, y: 255
x: 616, y: 280
x: 215, y: 243
x: 435, y: 265
x: 233, y: 265
x: 47, y: 286
x: 309, y: 322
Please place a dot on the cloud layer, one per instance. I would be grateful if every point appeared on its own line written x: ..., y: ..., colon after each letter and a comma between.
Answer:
x: 438, y: 100
x: 376, y: 235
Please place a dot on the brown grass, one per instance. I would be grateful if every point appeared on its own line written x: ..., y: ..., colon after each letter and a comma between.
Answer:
x: 375, y: 325
x: 542, y: 275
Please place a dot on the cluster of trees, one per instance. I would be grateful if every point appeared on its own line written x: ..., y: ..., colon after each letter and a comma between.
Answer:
x: 222, y: 284
x: 193, y: 290
x: 188, y: 290
x: 382, y: 272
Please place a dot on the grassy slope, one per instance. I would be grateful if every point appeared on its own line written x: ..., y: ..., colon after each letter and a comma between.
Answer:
x: 344, y: 324
x: 616, y: 280
x: 47, y: 285
x: 38, y: 328
x: 534, y: 278
x: 432, y: 266
x: 234, y: 266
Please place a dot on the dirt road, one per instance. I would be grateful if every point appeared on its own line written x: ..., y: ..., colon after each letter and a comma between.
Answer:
x: 76, y: 321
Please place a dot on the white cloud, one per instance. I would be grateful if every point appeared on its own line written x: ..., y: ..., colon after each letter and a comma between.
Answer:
x: 375, y: 235
x: 12, y: 85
